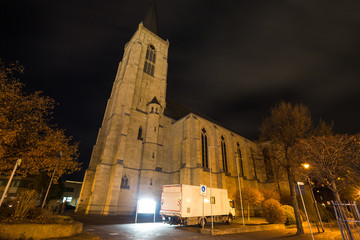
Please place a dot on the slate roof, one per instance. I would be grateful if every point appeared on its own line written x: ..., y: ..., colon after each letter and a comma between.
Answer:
x: 154, y: 100
x: 150, y: 20
x: 177, y: 111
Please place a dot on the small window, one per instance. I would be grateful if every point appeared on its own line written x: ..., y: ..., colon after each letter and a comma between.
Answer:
x: 154, y: 129
x: 212, y: 200
x: 24, y: 184
x: 140, y: 134
x: 152, y: 110
x: 153, y: 155
x: 69, y: 189
x: 150, y: 181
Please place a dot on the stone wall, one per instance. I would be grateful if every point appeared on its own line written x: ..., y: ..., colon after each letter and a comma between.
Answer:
x: 39, y: 231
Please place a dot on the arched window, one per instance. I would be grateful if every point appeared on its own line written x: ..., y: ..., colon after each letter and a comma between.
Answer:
x: 239, y: 156
x: 267, y: 162
x: 150, y: 60
x: 253, y: 158
x: 223, y: 152
x: 140, y: 134
x: 204, y: 149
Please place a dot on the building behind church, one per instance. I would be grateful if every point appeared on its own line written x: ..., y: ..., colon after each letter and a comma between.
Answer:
x: 146, y: 140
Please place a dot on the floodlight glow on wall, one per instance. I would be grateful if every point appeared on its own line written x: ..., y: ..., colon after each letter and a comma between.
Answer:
x: 146, y: 206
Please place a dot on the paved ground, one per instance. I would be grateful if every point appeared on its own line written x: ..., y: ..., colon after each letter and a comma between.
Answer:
x: 115, y: 227
x: 162, y: 231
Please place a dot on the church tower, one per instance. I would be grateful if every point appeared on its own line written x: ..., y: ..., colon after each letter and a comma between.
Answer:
x: 125, y: 159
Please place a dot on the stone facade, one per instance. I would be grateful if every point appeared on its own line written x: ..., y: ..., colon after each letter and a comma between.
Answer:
x: 145, y: 143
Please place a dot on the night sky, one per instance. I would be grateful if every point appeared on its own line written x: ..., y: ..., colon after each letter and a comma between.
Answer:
x: 230, y: 60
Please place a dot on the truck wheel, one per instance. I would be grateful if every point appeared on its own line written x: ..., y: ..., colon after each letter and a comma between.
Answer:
x: 229, y: 220
x: 202, y: 222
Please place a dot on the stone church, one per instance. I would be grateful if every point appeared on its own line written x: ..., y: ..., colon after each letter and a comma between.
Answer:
x: 146, y: 140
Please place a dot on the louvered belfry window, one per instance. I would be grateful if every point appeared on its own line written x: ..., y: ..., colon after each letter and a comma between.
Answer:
x: 149, y: 66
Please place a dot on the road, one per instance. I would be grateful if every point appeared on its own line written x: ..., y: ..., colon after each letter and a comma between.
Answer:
x: 115, y: 227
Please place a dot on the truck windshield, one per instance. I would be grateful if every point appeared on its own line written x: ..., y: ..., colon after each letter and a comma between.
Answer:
x: 232, y: 204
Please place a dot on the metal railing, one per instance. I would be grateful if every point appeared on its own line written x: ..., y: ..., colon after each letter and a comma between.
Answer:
x: 348, y: 218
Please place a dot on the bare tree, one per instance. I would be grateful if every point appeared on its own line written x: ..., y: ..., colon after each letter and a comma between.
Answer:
x: 285, y: 125
x: 334, y: 160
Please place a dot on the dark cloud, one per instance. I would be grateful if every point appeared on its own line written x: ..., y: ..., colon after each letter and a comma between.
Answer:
x: 231, y: 60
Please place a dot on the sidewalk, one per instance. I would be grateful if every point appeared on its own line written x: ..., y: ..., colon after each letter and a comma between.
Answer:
x: 261, y: 225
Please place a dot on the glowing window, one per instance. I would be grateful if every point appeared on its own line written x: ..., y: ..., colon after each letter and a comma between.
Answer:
x: 67, y: 199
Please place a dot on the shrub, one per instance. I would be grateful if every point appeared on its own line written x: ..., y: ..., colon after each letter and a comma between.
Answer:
x: 7, y: 209
x: 271, y: 194
x: 250, y: 197
x: 41, y: 215
x: 25, y: 202
x: 53, y: 205
x: 273, y: 211
x: 290, y: 215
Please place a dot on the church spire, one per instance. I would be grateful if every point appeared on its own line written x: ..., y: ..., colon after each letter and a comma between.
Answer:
x: 150, y: 21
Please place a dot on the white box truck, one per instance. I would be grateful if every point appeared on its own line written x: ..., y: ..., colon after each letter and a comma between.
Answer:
x: 184, y: 205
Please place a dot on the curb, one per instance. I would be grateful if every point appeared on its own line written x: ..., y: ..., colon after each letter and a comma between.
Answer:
x: 81, y: 236
x: 242, y: 229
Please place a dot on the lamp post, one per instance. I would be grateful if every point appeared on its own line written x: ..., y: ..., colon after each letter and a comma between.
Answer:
x: 18, y: 162
x: 307, y: 166
x: 212, y: 220
x: 58, y: 155
x: 241, y: 203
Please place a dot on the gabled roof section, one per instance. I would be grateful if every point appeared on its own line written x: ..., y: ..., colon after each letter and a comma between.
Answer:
x: 150, y: 21
x: 154, y: 100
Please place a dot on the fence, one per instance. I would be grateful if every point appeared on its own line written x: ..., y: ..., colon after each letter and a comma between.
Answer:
x: 348, y: 217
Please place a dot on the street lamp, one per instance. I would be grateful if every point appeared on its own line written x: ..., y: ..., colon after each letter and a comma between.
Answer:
x: 307, y: 166
x: 212, y: 220
x: 240, y: 196
x: 58, y: 155
x: 18, y: 162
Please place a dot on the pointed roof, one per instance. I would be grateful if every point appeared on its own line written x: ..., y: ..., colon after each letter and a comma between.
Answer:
x: 154, y: 100
x: 150, y: 21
